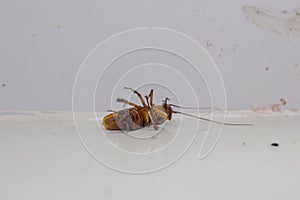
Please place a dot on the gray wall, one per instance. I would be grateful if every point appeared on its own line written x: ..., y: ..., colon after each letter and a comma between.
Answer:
x: 43, y: 43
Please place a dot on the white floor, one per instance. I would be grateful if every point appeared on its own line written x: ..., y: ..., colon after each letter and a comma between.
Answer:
x: 42, y: 157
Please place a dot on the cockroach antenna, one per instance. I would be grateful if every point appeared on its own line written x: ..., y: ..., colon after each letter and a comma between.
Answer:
x: 198, y: 108
x: 209, y: 120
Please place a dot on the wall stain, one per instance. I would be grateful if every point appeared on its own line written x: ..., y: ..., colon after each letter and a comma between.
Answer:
x: 281, y: 22
x: 273, y: 108
x: 208, y: 43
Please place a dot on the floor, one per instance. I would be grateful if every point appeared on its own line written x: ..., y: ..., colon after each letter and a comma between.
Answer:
x: 45, y: 155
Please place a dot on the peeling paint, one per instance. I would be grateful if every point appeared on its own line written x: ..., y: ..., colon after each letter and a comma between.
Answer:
x: 281, y: 22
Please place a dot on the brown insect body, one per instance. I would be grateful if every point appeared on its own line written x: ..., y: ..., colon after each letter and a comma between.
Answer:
x: 140, y: 116
x: 135, y: 118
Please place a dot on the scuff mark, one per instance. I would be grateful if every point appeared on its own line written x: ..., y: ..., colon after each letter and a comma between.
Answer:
x: 281, y: 22
x: 14, y: 113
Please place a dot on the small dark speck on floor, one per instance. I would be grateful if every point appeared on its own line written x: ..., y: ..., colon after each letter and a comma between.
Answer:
x: 267, y: 68
x: 3, y: 84
x: 244, y: 143
x: 274, y: 144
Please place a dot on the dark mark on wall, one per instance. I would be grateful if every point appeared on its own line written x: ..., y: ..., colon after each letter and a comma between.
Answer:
x: 283, y: 102
x: 4, y: 84
x: 208, y: 43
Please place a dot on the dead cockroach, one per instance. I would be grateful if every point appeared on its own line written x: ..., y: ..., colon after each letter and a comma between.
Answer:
x: 148, y: 114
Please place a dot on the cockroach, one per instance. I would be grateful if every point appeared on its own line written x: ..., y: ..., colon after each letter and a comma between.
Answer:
x: 147, y: 114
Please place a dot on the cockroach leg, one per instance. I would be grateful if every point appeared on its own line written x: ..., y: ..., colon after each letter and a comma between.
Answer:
x: 127, y: 102
x: 137, y: 93
x: 147, y: 100
x: 166, y: 100
x: 151, y: 97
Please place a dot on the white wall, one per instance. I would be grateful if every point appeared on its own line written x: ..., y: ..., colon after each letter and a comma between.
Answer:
x: 43, y: 43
